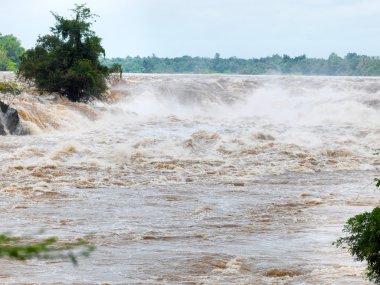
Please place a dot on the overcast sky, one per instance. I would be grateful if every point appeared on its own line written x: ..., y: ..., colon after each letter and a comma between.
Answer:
x: 242, y: 28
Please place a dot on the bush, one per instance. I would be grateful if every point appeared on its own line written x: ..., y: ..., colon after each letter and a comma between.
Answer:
x: 8, y: 92
x: 363, y: 241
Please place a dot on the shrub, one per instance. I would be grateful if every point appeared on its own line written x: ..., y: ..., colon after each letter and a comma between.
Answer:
x: 363, y: 241
x: 8, y: 91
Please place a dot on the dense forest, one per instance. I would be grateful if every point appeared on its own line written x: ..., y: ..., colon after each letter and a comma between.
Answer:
x: 351, y: 64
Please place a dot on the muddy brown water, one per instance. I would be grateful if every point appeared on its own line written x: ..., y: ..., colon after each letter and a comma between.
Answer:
x: 195, y: 179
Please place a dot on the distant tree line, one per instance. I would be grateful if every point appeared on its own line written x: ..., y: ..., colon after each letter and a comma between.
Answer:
x: 351, y: 64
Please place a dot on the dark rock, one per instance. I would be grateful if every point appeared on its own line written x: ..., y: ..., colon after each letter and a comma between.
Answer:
x: 2, y: 129
x: 21, y: 130
x: 4, y: 107
x: 10, y: 121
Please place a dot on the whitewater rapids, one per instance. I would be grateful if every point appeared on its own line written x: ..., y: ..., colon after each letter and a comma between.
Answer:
x: 196, y: 179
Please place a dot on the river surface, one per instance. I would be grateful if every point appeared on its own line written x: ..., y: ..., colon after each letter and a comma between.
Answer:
x: 196, y: 179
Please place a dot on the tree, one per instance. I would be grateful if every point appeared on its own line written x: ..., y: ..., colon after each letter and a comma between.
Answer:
x: 148, y: 65
x: 334, y: 63
x: 67, y: 60
x: 4, y: 60
x: 216, y: 63
x: 12, y: 46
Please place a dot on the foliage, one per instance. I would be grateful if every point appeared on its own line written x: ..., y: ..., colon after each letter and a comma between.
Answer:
x: 8, y: 91
x: 363, y: 241
x: 116, y: 69
x: 49, y: 248
x: 351, y: 64
x: 67, y: 60
x: 377, y: 180
x: 10, y: 52
x: 5, y: 63
x: 10, y: 87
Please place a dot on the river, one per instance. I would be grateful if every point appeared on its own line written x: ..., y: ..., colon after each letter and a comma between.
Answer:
x: 196, y: 179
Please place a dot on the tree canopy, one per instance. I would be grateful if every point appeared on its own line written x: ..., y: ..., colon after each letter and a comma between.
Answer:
x: 67, y: 60
x: 10, y: 52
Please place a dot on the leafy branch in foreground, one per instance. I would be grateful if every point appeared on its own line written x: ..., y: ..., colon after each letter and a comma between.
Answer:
x: 50, y: 248
x: 363, y: 241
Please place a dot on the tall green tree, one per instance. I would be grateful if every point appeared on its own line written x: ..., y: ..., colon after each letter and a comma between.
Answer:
x: 13, y: 48
x: 10, y: 52
x: 67, y: 60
